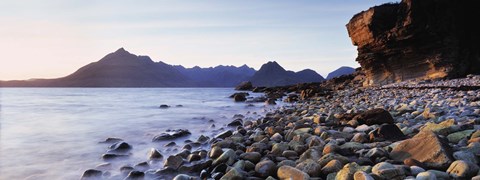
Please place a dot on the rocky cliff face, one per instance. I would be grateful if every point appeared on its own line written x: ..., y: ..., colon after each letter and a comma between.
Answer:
x: 417, y: 39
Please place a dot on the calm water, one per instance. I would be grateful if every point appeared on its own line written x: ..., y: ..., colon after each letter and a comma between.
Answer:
x: 53, y: 133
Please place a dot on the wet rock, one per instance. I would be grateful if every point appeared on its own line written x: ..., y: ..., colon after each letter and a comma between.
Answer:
x: 235, y: 123
x: 462, y: 169
x: 375, y: 116
x: 91, y: 174
x: 426, y: 176
x: 360, y: 138
x: 215, y: 152
x: 360, y: 175
x: 176, y: 134
x: 331, y: 167
x: 104, y: 166
x: 276, y: 137
x: 434, y: 152
x: 126, y: 169
x: 194, y: 157
x: 388, y: 171
x: 310, y: 154
x: 387, y: 132
x: 154, y: 154
x: 183, y: 177
x: 110, y: 156
x: 331, y: 156
x: 309, y: 166
x: 351, y: 147
x: 253, y: 157
x: 170, y: 144
x: 270, y: 101
x: 257, y: 147
x: 415, y: 170
x: 233, y: 174
x: 239, y: 97
x: 135, y: 175
x: 202, y: 139
x: 195, y: 167
x: 121, y: 147
x: 265, y: 168
x: 228, y: 157
x: 279, y: 148
x: 143, y: 166
x: 376, y: 153
x: 288, y: 172
x: 112, y: 140
x: 164, y: 106
x: 173, y: 162
x: 244, y: 86
x: 224, y: 134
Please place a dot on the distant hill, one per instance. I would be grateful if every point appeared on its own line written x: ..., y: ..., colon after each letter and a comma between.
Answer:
x: 340, y: 71
x: 117, y: 69
x: 123, y: 69
x: 219, y: 76
x: 272, y: 74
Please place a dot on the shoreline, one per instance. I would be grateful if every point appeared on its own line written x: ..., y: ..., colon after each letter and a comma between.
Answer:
x: 348, y: 132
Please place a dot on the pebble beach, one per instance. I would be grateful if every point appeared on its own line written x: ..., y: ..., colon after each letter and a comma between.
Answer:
x: 409, y: 130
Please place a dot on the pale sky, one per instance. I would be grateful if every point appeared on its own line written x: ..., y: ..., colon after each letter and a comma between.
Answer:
x: 53, y: 38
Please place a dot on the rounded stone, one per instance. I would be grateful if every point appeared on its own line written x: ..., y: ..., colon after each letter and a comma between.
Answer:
x: 309, y: 166
x: 265, y: 168
x: 288, y: 172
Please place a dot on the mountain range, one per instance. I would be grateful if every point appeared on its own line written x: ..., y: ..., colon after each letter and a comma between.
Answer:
x: 123, y: 69
x: 344, y: 70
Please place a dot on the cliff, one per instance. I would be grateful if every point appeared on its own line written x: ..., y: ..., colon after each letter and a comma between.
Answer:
x: 417, y: 39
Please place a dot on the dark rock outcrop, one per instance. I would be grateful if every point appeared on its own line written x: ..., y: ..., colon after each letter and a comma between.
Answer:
x: 417, y: 39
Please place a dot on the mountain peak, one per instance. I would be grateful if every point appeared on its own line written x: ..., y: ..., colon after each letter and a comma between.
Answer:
x: 272, y: 67
x: 121, y: 51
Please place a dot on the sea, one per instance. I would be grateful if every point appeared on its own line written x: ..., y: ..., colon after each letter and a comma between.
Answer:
x: 55, y: 133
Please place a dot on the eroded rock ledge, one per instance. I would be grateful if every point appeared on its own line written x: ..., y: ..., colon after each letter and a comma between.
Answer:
x: 417, y: 39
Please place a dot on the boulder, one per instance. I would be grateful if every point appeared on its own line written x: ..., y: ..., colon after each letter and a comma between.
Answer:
x: 244, y: 86
x: 288, y: 172
x: 374, y: 116
x: 173, y: 162
x: 433, y: 152
x: 389, y: 132
x: 154, y: 154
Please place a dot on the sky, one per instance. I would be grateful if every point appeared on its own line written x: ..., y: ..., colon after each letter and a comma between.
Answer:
x: 53, y: 38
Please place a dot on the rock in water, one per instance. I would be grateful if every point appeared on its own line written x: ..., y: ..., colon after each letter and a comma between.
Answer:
x: 400, y: 41
x: 375, y: 116
x: 91, y: 174
x: 154, y: 154
x: 288, y: 172
x: 426, y: 147
x: 244, y: 86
